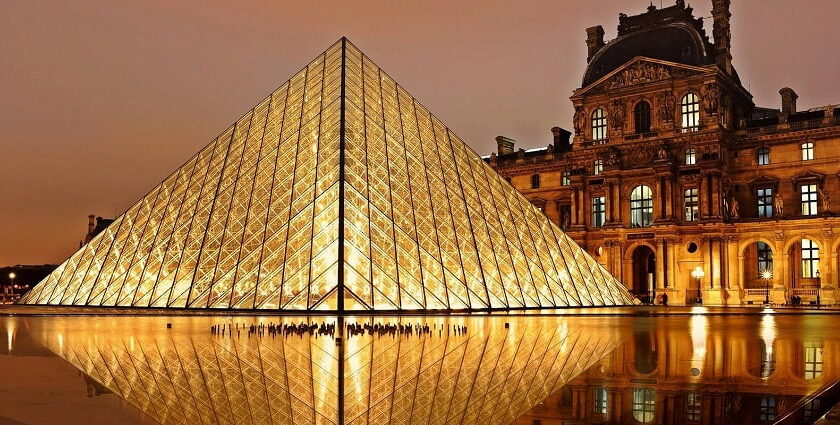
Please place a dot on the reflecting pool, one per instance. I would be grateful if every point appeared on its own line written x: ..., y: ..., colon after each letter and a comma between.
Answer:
x: 744, y: 368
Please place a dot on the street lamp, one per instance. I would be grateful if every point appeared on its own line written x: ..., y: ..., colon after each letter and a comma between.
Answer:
x: 819, y: 287
x: 767, y: 275
x: 12, y: 277
x: 698, y: 274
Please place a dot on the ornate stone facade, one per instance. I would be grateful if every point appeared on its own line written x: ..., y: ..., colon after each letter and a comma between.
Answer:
x: 697, y: 192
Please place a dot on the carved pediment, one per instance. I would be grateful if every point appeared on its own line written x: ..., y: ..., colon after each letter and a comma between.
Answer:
x: 764, y: 181
x: 641, y: 71
x: 808, y: 175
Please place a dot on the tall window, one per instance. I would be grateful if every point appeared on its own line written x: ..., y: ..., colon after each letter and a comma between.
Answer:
x: 535, y: 181
x: 691, y: 203
x: 641, y: 117
x: 690, y: 112
x: 807, y: 151
x: 566, y: 178
x: 810, y: 259
x: 765, y: 258
x: 599, y: 211
x: 813, y: 362
x: 767, y: 409
x: 765, y: 202
x: 641, y: 206
x: 598, y: 167
x: 599, y: 125
x: 690, y: 156
x: 692, y: 407
x: 644, y: 404
x: 809, y: 199
x: 762, y: 156
x: 601, y: 400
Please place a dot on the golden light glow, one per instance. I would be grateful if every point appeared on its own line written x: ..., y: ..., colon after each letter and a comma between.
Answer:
x: 281, y: 213
x: 698, y: 272
x: 766, y: 274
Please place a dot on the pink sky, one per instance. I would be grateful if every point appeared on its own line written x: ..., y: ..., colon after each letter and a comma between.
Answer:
x: 102, y: 99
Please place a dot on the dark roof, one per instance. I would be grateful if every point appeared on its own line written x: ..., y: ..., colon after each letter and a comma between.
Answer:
x: 677, y: 42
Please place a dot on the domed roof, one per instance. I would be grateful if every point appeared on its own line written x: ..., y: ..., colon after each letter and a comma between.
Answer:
x: 676, y: 42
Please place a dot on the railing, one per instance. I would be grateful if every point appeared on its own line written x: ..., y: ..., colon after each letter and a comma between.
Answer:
x: 811, y: 292
x: 755, y: 292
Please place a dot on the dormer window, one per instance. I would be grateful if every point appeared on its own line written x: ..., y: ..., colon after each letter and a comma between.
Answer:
x: 641, y: 117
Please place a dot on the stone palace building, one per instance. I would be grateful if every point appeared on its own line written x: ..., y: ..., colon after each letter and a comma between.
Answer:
x: 677, y: 182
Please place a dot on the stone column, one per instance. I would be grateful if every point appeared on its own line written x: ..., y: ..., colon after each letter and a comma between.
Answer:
x: 669, y: 201
x: 608, y: 201
x: 574, y: 207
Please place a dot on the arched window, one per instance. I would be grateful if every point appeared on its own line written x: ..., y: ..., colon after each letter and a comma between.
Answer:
x: 641, y: 206
x: 641, y: 116
x: 690, y: 112
x: 599, y: 125
x: 810, y: 259
x: 644, y: 404
x: 765, y: 258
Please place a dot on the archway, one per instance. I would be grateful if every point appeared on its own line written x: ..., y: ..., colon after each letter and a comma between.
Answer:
x: 644, y: 272
x: 758, y: 270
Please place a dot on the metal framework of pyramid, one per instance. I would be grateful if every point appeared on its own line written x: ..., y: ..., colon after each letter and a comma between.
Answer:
x: 338, y: 192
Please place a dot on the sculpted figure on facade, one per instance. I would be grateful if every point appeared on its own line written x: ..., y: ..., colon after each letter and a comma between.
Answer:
x: 579, y: 120
x: 825, y: 200
x: 711, y: 98
x: 639, y: 73
x: 778, y: 204
x: 734, y: 212
x: 617, y: 115
x: 667, y: 106
x: 612, y: 158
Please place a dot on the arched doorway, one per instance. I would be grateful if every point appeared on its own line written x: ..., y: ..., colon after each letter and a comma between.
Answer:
x: 644, y: 272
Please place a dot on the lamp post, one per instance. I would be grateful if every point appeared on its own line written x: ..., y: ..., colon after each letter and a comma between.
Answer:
x: 698, y: 274
x: 767, y: 275
x: 819, y: 287
x: 12, y: 277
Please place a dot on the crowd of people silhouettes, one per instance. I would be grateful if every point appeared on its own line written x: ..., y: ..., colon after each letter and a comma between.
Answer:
x: 329, y: 329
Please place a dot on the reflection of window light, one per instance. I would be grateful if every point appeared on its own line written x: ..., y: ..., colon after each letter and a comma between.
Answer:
x: 601, y: 400
x: 812, y: 410
x: 767, y: 409
x: 813, y: 362
x: 692, y: 407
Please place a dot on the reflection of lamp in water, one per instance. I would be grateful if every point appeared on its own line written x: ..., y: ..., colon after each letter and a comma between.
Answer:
x: 697, y: 330
x: 767, y: 331
x: 766, y: 275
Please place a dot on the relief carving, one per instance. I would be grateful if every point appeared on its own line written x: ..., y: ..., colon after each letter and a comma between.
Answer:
x: 639, y: 73
x: 667, y: 106
x: 711, y: 98
x: 579, y: 120
x: 618, y: 114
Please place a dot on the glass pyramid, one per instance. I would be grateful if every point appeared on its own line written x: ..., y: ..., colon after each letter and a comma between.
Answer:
x: 337, y: 192
x: 492, y: 374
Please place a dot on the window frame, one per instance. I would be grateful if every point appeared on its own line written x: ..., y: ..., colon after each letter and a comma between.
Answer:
x: 810, y: 259
x: 535, y: 181
x: 762, y: 156
x: 691, y: 204
x: 597, y: 167
x: 599, y: 211
x: 807, y: 149
x: 693, y: 406
x: 641, y: 206
x: 767, y: 408
x: 764, y: 202
x: 690, y: 113
x: 814, y: 362
x: 598, y: 125
x: 641, y: 117
x: 690, y: 156
x: 600, y: 398
x: 808, y: 199
x: 566, y: 178
x: 764, y: 257
x: 643, y: 405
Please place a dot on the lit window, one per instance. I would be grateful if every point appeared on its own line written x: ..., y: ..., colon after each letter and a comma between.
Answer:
x: 765, y: 202
x: 767, y: 409
x: 812, y: 410
x: 765, y: 258
x: 763, y: 156
x: 692, y: 408
x: 641, y: 206
x: 813, y: 362
x: 807, y: 151
x: 599, y: 211
x: 535, y: 181
x: 809, y: 199
x: 599, y: 125
x: 601, y: 400
x: 691, y: 203
x: 690, y: 156
x: 810, y: 259
x: 566, y: 179
x: 644, y: 404
x: 641, y: 117
x: 598, y: 167
x: 690, y: 112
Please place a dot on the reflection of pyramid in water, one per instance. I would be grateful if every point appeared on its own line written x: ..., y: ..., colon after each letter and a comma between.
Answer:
x: 491, y: 375
x: 339, y: 182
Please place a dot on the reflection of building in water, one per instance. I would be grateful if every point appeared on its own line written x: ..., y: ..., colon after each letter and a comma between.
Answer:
x: 185, y: 375
x: 660, y: 377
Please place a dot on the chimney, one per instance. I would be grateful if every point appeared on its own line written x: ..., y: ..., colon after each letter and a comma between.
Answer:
x: 504, y: 145
x: 722, y: 34
x: 594, y: 41
x: 788, y: 100
x: 561, y: 140
x: 91, y: 223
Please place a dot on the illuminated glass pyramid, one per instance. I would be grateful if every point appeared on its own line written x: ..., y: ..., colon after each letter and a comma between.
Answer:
x: 337, y: 192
